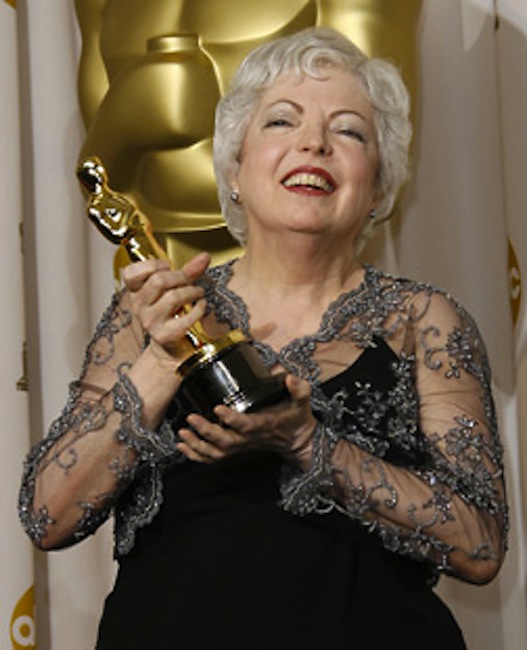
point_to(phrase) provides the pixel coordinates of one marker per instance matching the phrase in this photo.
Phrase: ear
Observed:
(233, 178)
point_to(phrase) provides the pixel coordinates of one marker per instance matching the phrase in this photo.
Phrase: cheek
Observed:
(259, 167)
(367, 175)
(362, 178)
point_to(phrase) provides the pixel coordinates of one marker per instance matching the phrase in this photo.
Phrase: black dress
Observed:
(405, 483)
(223, 566)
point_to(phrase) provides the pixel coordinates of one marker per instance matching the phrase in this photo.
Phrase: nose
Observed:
(313, 137)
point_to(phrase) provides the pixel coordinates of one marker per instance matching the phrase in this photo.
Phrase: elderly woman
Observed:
(323, 521)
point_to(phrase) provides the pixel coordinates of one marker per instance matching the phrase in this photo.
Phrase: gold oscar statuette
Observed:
(226, 370)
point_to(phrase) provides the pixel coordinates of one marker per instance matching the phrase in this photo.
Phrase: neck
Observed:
(297, 265)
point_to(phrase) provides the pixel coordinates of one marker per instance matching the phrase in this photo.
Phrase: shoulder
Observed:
(421, 300)
(441, 325)
(432, 314)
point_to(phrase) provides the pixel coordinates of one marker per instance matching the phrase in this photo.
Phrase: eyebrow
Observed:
(299, 109)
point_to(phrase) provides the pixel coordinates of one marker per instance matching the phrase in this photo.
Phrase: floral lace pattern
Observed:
(413, 455)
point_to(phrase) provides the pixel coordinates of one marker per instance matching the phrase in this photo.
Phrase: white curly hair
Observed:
(310, 52)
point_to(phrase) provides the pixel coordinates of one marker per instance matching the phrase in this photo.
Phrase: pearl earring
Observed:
(234, 196)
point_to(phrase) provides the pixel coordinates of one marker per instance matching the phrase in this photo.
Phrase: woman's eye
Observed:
(277, 122)
(352, 133)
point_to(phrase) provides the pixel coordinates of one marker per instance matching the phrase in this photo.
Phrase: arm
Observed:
(448, 511)
(452, 511)
(113, 420)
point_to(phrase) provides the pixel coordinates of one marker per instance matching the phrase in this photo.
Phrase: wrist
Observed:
(167, 359)
(155, 377)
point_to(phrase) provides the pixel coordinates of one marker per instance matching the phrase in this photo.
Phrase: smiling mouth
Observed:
(310, 181)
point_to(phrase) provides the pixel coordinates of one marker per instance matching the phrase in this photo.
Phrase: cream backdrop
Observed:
(458, 220)
(461, 210)
(16, 568)
(61, 302)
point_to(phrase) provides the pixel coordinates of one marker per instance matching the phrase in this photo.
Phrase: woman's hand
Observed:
(286, 429)
(158, 294)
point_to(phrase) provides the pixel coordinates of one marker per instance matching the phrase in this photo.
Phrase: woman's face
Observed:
(309, 159)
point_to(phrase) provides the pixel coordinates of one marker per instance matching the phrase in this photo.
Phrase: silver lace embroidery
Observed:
(383, 424)
(85, 418)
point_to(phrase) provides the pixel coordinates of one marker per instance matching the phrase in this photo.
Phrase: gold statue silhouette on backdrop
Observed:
(152, 71)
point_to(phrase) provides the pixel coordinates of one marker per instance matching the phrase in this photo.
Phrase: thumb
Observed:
(299, 389)
(195, 267)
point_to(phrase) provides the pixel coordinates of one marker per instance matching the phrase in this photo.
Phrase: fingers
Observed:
(243, 423)
(299, 389)
(196, 448)
(162, 299)
(286, 429)
(158, 293)
(218, 435)
(195, 268)
(135, 275)
(207, 441)
(167, 329)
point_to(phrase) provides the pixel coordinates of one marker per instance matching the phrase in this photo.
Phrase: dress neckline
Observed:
(245, 315)
(296, 355)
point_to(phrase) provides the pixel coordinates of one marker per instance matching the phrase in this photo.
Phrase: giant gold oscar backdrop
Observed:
(150, 75)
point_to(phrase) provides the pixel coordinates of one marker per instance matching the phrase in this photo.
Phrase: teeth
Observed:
(309, 180)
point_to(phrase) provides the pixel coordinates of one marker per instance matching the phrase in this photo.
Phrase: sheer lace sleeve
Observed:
(449, 508)
(73, 476)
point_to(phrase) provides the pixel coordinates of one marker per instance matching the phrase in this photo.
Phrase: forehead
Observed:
(334, 89)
